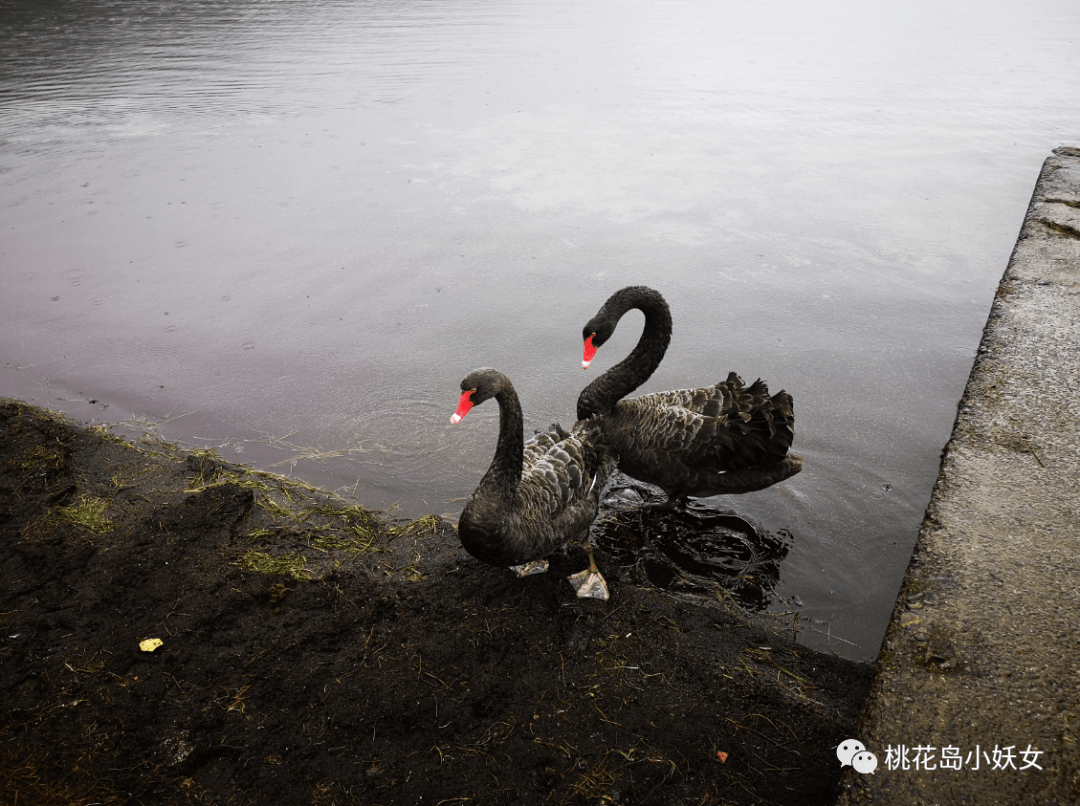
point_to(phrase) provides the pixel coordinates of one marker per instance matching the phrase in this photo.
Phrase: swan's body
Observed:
(719, 439)
(537, 495)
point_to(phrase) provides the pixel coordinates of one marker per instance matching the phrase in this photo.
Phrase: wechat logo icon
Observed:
(854, 752)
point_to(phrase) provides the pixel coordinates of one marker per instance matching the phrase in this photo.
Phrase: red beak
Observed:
(463, 407)
(590, 352)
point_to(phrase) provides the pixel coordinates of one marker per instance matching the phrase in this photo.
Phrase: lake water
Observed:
(286, 230)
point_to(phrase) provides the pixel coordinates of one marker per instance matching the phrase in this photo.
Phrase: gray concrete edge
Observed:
(980, 664)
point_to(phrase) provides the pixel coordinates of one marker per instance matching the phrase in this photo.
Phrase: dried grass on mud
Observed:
(315, 653)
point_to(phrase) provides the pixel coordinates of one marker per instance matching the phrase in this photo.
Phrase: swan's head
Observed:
(595, 333)
(478, 386)
(601, 327)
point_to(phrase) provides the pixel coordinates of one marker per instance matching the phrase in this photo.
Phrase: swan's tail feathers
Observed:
(756, 429)
(783, 426)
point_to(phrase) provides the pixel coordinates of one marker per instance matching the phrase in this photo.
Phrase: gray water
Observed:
(286, 230)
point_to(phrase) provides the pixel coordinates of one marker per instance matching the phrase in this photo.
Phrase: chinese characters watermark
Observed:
(926, 757)
(922, 757)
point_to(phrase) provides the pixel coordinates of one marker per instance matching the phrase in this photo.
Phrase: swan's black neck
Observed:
(501, 481)
(600, 396)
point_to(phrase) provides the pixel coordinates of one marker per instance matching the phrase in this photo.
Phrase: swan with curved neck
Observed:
(536, 495)
(721, 439)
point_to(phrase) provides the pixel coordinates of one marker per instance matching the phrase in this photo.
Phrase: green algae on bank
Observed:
(292, 528)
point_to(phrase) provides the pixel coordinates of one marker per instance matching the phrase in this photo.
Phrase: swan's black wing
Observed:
(561, 480)
(705, 441)
(557, 499)
(554, 475)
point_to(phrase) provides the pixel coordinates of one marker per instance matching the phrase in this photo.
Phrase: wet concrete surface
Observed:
(976, 697)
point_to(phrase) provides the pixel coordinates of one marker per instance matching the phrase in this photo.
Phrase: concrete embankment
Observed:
(976, 698)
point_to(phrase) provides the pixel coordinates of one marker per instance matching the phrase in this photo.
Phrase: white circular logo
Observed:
(847, 749)
(864, 762)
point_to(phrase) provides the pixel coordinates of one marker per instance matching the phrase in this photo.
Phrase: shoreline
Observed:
(977, 669)
(313, 652)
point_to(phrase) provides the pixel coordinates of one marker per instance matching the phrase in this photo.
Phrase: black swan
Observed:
(537, 495)
(720, 439)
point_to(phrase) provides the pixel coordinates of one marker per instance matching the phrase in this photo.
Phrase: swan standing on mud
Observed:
(537, 495)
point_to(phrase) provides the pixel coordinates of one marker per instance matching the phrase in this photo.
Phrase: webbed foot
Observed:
(528, 569)
(589, 584)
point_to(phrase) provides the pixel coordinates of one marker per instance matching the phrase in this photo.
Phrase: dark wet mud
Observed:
(313, 652)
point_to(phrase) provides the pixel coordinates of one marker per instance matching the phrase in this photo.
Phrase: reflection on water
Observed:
(695, 550)
(286, 230)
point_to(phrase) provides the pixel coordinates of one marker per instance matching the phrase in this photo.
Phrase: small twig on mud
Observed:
(606, 616)
(769, 765)
(749, 671)
(661, 675)
(763, 736)
(165, 621)
(421, 670)
(341, 593)
(170, 676)
(802, 696)
(257, 657)
(568, 749)
(793, 736)
(604, 718)
(238, 700)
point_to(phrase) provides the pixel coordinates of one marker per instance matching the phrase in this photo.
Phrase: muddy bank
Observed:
(314, 652)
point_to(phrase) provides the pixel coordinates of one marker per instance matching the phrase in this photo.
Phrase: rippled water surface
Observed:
(288, 229)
